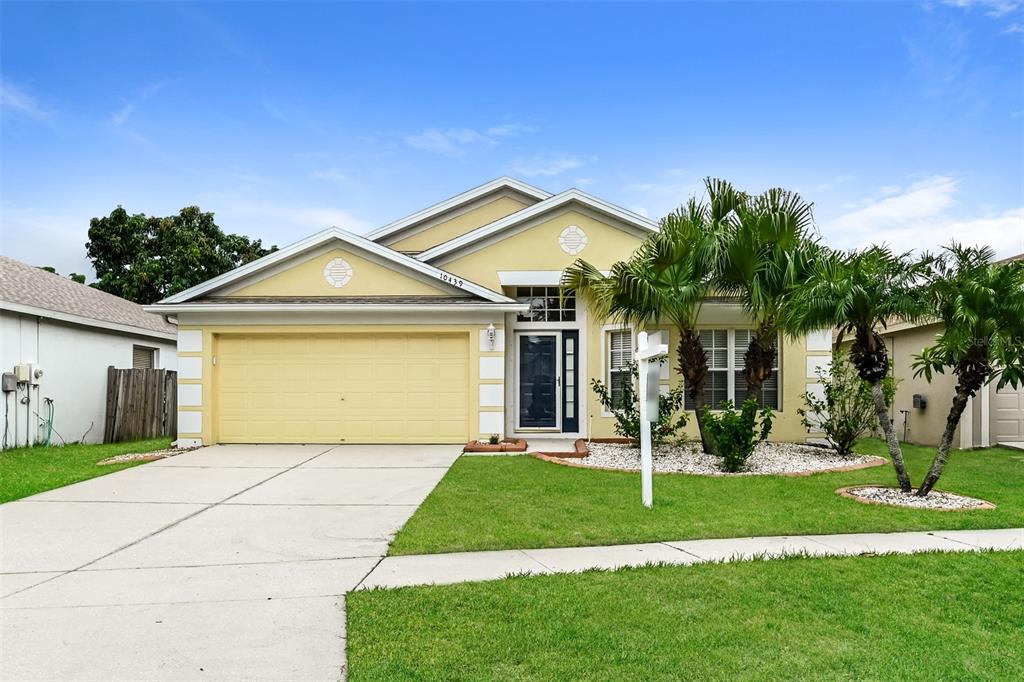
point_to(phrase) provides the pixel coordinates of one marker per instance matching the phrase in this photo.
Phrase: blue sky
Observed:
(903, 122)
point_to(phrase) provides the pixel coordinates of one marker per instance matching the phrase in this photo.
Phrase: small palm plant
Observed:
(664, 281)
(768, 250)
(981, 305)
(859, 293)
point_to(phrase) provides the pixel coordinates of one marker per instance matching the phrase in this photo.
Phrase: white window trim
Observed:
(605, 365)
(731, 367)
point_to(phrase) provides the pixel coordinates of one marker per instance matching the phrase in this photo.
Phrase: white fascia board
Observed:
(455, 202)
(525, 278)
(628, 217)
(512, 307)
(86, 321)
(443, 278)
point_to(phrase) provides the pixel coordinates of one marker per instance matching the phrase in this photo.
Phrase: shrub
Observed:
(627, 417)
(494, 439)
(847, 410)
(733, 431)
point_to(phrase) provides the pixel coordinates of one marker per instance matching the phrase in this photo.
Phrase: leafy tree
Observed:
(769, 247)
(74, 276)
(147, 258)
(846, 411)
(859, 293)
(981, 306)
(666, 280)
(627, 413)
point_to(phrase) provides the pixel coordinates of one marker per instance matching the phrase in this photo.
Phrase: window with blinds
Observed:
(620, 355)
(726, 349)
(143, 357)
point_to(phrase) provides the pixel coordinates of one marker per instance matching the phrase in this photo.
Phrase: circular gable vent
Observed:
(338, 272)
(572, 240)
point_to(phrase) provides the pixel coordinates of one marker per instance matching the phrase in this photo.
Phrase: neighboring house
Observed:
(993, 416)
(64, 335)
(444, 326)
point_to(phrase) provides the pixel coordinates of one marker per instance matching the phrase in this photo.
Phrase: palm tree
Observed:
(981, 305)
(769, 248)
(859, 293)
(665, 280)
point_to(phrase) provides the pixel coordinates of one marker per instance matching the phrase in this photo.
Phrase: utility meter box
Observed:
(22, 373)
(34, 374)
(920, 401)
(9, 383)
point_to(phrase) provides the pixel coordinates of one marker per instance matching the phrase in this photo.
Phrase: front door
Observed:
(538, 377)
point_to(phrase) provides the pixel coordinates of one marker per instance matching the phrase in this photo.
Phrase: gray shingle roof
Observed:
(23, 284)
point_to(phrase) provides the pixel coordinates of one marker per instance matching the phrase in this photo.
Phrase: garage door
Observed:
(1008, 415)
(342, 388)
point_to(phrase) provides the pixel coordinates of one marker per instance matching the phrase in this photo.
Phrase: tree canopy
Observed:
(146, 258)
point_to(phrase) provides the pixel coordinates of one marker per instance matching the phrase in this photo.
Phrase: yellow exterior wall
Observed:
(368, 279)
(537, 249)
(459, 225)
(210, 335)
(924, 427)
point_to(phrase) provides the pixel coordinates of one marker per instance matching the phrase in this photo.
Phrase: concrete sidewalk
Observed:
(441, 569)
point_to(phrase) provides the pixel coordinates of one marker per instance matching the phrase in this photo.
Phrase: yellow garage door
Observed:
(342, 388)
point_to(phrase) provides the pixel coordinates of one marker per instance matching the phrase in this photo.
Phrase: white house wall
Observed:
(74, 360)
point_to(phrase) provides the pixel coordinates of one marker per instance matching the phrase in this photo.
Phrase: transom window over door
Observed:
(546, 304)
(725, 349)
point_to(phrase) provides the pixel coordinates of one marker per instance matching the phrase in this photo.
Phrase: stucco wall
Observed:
(74, 360)
(924, 426)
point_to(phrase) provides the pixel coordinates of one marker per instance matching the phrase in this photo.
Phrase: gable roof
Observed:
(641, 223)
(354, 240)
(457, 201)
(27, 289)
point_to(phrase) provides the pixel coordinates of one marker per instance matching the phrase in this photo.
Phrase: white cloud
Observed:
(455, 141)
(992, 8)
(121, 116)
(659, 196)
(833, 183)
(919, 217)
(546, 165)
(332, 174)
(1015, 27)
(16, 99)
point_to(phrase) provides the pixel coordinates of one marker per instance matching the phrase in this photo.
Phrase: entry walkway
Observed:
(440, 569)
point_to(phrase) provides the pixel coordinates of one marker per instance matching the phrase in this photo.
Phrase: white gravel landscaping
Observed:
(934, 500)
(768, 458)
(144, 456)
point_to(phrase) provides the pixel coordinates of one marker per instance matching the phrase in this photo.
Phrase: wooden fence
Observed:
(141, 403)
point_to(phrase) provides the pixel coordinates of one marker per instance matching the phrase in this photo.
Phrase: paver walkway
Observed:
(441, 569)
(230, 562)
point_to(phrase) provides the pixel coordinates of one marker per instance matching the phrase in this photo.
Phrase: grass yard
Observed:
(917, 617)
(27, 471)
(521, 502)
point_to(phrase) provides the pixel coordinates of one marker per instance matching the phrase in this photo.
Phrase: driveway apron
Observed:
(229, 562)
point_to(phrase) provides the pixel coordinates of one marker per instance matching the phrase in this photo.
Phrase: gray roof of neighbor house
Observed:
(26, 286)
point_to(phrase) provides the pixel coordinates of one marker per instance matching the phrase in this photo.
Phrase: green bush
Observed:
(627, 417)
(733, 432)
(847, 410)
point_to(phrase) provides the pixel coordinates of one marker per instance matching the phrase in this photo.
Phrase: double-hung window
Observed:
(725, 349)
(620, 355)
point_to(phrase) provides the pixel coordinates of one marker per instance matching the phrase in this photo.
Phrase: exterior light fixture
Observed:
(492, 335)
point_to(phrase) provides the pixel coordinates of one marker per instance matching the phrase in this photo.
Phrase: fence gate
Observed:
(141, 403)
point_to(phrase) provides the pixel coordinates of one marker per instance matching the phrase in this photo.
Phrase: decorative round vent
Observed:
(338, 272)
(572, 240)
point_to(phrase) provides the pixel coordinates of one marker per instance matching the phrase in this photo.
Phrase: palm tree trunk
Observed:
(758, 362)
(693, 367)
(942, 454)
(882, 410)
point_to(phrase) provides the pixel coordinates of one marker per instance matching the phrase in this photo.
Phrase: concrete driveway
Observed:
(229, 562)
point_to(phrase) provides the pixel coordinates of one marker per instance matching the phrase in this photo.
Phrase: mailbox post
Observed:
(650, 349)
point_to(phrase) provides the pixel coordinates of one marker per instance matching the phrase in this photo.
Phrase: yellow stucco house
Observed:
(444, 326)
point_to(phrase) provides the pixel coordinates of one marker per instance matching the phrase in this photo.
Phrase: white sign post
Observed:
(649, 348)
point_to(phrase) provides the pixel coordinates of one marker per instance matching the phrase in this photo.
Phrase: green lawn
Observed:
(919, 617)
(521, 502)
(27, 471)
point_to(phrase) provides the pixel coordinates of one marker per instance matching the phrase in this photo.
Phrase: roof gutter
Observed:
(86, 321)
(176, 308)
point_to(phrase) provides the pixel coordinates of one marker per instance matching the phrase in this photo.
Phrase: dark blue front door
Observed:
(538, 379)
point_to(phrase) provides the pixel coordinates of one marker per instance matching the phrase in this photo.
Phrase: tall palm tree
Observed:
(665, 280)
(859, 293)
(981, 305)
(768, 251)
